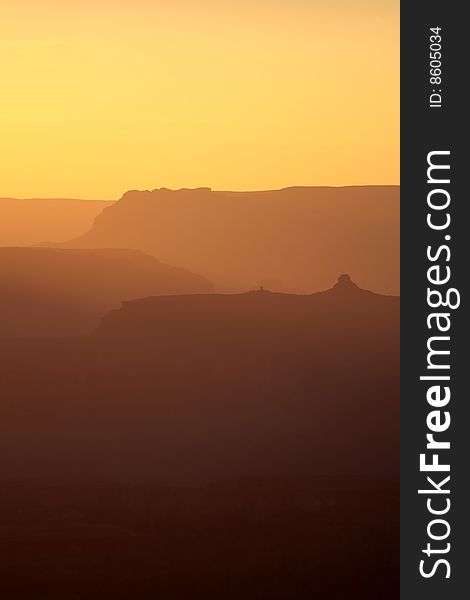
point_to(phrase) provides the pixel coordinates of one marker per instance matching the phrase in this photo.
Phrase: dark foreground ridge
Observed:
(278, 383)
(256, 539)
(206, 447)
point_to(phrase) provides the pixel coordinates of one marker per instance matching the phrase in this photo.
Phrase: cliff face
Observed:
(299, 238)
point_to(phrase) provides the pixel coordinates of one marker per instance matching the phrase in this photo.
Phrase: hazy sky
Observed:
(100, 96)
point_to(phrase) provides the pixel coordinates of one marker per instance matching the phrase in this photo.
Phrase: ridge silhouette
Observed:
(300, 236)
(197, 443)
(48, 292)
(37, 220)
(259, 371)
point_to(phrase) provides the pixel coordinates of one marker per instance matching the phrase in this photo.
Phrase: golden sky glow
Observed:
(101, 96)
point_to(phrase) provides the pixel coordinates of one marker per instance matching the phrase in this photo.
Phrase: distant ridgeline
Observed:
(49, 292)
(293, 240)
(39, 220)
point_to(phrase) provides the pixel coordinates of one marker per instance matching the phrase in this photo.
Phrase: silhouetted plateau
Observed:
(29, 222)
(190, 387)
(300, 236)
(206, 447)
(54, 292)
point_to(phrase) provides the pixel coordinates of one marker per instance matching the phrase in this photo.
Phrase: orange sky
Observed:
(100, 96)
